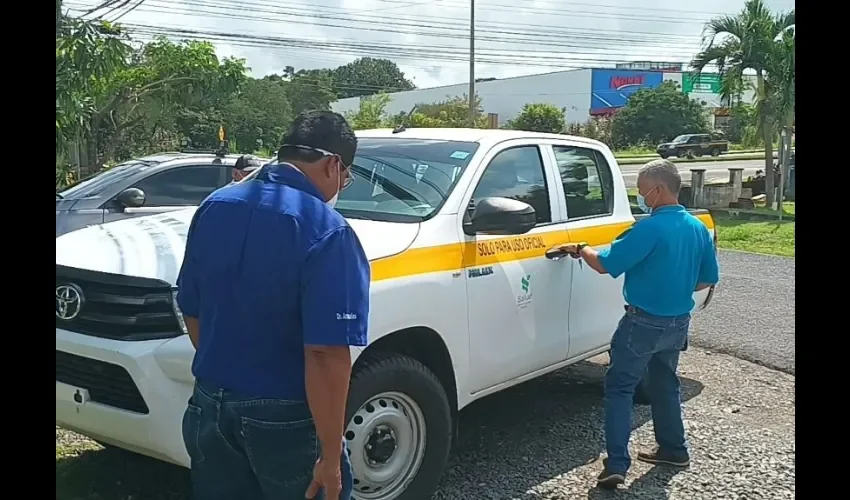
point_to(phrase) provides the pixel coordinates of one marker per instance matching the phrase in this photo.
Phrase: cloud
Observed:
(429, 39)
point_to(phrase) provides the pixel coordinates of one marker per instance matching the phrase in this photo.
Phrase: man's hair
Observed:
(662, 172)
(318, 129)
(248, 163)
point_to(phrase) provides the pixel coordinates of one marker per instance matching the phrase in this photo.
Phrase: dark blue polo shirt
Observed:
(664, 256)
(270, 268)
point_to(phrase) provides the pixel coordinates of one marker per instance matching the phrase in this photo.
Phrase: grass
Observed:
(787, 208)
(765, 237)
(771, 238)
(86, 471)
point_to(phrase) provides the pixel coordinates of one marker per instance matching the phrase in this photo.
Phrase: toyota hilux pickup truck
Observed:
(467, 297)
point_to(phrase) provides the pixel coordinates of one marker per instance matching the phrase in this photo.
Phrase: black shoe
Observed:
(607, 479)
(659, 457)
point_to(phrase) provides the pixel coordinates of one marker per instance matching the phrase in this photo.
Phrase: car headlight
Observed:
(177, 311)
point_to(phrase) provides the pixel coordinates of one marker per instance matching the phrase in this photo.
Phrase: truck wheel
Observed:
(715, 152)
(663, 156)
(399, 430)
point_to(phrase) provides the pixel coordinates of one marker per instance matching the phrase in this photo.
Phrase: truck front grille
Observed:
(115, 306)
(107, 384)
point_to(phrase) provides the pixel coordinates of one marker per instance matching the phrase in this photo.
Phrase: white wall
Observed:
(505, 97)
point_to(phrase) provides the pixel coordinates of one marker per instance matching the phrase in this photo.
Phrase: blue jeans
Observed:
(645, 345)
(252, 449)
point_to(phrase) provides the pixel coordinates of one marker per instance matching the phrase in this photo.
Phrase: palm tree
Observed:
(753, 41)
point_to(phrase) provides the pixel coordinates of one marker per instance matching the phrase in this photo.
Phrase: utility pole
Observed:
(472, 63)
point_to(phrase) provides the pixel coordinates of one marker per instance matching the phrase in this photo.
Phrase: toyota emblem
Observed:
(69, 301)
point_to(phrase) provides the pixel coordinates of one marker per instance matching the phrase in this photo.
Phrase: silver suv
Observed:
(143, 186)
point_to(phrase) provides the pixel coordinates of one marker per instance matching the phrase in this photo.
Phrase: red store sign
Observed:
(618, 82)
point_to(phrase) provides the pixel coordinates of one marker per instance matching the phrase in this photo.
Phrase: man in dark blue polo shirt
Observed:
(666, 257)
(274, 289)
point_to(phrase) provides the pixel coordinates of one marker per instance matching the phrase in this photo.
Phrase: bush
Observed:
(539, 117)
(657, 115)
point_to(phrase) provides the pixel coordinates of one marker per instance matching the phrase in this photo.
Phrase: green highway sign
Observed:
(707, 83)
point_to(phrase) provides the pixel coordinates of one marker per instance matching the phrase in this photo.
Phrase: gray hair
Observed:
(662, 172)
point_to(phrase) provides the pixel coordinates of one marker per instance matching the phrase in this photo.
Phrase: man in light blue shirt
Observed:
(665, 257)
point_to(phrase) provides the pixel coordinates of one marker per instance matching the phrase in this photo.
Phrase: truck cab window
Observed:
(587, 181)
(517, 173)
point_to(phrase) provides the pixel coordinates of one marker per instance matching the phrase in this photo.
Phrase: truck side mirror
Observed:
(497, 215)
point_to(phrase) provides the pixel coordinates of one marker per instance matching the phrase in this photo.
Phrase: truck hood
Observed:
(153, 246)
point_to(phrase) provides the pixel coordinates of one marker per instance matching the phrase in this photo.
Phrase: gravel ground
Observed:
(543, 440)
(752, 313)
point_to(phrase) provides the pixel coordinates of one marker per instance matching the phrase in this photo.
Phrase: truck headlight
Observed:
(177, 311)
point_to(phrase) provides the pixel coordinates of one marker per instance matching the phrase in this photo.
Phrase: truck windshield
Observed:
(94, 184)
(682, 138)
(403, 180)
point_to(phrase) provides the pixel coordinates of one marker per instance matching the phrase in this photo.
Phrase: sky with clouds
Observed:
(429, 39)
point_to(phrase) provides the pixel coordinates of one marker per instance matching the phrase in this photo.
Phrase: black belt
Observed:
(634, 310)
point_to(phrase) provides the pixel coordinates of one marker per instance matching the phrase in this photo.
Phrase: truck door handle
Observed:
(556, 254)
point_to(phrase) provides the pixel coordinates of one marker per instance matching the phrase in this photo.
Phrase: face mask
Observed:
(332, 202)
(641, 201)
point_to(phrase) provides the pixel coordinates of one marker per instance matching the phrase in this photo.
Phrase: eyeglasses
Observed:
(348, 179)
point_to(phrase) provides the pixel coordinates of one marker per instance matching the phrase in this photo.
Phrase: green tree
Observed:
(371, 113)
(308, 89)
(258, 116)
(539, 117)
(368, 76)
(748, 41)
(656, 115)
(166, 83)
(89, 56)
(453, 112)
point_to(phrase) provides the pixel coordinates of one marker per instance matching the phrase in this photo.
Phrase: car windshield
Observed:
(94, 184)
(682, 138)
(403, 180)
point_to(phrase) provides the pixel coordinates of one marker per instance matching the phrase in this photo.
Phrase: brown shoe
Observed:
(659, 457)
(609, 480)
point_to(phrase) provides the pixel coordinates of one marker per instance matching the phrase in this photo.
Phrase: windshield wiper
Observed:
(59, 196)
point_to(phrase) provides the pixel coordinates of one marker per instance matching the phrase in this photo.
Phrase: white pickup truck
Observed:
(465, 299)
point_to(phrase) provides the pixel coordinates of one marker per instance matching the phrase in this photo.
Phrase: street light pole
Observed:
(472, 63)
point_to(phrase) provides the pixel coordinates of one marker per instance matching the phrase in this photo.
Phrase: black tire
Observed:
(715, 152)
(379, 373)
(663, 156)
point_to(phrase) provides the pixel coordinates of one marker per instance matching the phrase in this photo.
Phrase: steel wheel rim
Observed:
(386, 445)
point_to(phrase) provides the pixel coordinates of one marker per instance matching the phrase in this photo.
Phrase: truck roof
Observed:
(482, 136)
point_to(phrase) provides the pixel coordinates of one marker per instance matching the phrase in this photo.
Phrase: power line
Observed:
(454, 32)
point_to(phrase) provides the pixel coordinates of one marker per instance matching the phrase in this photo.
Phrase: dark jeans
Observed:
(645, 344)
(252, 449)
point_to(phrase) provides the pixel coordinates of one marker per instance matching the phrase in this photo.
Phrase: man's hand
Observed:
(571, 249)
(327, 477)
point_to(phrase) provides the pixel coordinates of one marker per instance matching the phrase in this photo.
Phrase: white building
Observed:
(582, 92)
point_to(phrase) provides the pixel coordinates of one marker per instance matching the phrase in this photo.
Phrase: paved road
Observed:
(714, 171)
(752, 314)
(543, 440)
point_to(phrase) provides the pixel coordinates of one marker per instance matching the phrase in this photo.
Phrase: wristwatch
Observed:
(580, 246)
